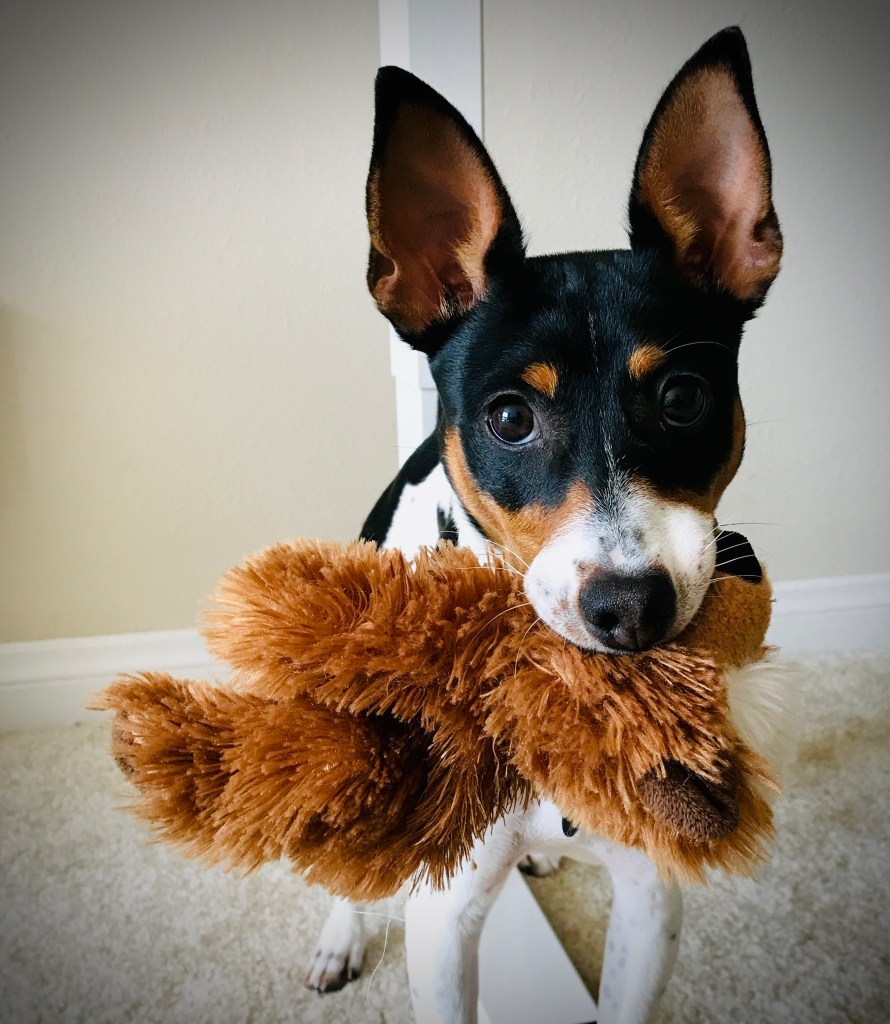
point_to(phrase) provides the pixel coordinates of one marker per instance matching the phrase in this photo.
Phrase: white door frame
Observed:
(441, 42)
(525, 975)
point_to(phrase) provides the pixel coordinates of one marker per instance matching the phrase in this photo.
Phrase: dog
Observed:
(589, 421)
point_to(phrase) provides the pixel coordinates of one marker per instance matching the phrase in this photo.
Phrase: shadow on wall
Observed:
(15, 328)
(57, 484)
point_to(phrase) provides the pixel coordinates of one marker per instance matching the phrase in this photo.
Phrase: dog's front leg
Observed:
(641, 941)
(340, 950)
(442, 930)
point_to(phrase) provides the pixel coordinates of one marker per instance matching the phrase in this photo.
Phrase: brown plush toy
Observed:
(384, 712)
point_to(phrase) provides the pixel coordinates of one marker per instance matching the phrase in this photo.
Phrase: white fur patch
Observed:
(414, 520)
(764, 707)
(633, 532)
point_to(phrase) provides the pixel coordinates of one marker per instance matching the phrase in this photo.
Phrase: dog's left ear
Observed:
(439, 218)
(702, 182)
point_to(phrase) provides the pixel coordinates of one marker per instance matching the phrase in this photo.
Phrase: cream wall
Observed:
(190, 366)
(568, 90)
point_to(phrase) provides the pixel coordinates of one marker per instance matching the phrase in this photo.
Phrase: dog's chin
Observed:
(578, 635)
(582, 638)
(573, 629)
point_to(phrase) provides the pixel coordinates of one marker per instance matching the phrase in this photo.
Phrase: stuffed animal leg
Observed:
(237, 778)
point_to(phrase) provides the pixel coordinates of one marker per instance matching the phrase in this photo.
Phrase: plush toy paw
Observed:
(696, 808)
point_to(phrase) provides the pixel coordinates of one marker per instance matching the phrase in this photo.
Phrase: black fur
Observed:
(735, 555)
(584, 314)
(447, 526)
(417, 468)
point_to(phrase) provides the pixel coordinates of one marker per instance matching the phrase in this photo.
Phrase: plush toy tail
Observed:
(238, 778)
(359, 803)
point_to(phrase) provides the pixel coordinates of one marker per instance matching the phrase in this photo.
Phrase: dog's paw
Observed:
(338, 956)
(539, 865)
(700, 810)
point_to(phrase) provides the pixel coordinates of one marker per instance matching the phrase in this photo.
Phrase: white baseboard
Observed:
(833, 613)
(49, 682)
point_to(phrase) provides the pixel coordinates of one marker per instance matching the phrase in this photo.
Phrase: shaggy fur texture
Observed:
(384, 713)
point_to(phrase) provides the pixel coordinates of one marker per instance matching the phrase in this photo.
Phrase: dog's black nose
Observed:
(629, 613)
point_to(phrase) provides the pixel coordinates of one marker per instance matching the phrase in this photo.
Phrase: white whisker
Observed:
(729, 561)
(377, 966)
(715, 540)
(504, 611)
(690, 344)
(515, 554)
(389, 919)
(378, 913)
(721, 579)
(724, 525)
(503, 567)
(733, 547)
(521, 642)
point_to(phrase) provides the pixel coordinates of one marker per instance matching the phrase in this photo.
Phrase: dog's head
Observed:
(590, 415)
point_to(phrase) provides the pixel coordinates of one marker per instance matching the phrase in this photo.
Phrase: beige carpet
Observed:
(98, 926)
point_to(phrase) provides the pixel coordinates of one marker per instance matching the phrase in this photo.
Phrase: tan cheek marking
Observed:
(645, 360)
(707, 501)
(521, 533)
(542, 377)
(729, 469)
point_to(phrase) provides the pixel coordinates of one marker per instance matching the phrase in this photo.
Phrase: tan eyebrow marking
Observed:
(645, 360)
(542, 377)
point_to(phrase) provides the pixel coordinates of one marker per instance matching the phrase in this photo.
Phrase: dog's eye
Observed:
(512, 421)
(685, 401)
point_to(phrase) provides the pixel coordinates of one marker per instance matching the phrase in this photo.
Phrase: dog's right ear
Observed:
(703, 181)
(439, 217)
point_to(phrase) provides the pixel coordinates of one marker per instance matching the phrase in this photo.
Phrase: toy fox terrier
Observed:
(589, 421)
